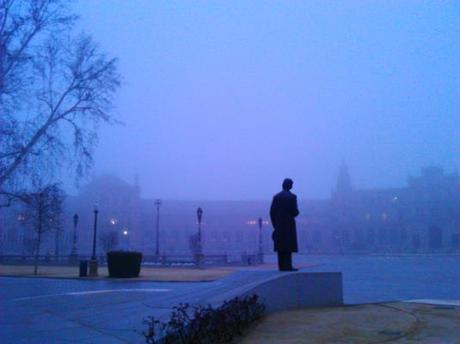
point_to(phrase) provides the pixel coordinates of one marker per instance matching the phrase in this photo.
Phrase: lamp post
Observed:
(157, 243)
(401, 228)
(93, 261)
(126, 235)
(261, 250)
(199, 215)
(73, 253)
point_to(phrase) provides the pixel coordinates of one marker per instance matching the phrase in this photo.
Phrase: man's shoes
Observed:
(291, 269)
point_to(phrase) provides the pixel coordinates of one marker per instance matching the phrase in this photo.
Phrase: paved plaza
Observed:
(49, 310)
(39, 310)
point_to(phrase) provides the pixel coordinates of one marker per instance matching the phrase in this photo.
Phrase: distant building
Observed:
(423, 216)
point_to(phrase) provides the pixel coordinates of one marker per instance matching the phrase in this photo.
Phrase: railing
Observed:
(46, 259)
(148, 260)
(184, 260)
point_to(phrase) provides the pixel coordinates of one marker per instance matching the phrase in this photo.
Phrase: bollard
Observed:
(83, 268)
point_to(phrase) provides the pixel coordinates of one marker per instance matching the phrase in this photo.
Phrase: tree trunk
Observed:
(37, 251)
(39, 232)
(56, 244)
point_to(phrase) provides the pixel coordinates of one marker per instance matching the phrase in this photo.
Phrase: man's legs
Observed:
(288, 261)
(280, 261)
(284, 261)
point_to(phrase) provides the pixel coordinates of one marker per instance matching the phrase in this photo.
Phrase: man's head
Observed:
(287, 184)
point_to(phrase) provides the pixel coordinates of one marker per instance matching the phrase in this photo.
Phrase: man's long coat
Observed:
(282, 214)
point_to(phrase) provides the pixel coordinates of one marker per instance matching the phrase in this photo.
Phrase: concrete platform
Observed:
(286, 290)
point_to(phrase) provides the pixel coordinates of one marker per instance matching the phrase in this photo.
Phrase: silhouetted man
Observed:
(282, 214)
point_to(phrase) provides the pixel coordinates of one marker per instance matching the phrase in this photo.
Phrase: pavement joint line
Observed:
(103, 330)
(82, 324)
(78, 293)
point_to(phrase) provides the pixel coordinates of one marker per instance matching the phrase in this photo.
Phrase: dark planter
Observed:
(124, 264)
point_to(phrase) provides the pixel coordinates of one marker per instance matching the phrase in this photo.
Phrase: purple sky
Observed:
(223, 99)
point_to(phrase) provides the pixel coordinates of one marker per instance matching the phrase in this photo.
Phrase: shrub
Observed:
(197, 324)
(124, 263)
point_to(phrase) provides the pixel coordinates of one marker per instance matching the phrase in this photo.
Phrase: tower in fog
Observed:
(343, 185)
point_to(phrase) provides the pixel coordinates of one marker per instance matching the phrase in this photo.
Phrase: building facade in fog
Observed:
(423, 216)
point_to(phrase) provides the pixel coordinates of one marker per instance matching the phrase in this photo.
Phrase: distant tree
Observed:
(30, 245)
(57, 235)
(43, 208)
(109, 240)
(55, 88)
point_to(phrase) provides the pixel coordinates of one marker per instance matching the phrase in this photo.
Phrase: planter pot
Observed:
(124, 264)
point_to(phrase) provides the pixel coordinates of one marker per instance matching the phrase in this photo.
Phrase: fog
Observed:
(222, 100)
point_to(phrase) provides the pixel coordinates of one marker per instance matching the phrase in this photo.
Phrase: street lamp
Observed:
(261, 251)
(157, 244)
(199, 215)
(126, 235)
(93, 261)
(73, 254)
(401, 227)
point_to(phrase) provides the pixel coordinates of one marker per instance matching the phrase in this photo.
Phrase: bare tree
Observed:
(56, 87)
(43, 209)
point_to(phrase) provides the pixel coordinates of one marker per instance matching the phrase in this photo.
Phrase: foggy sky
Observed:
(223, 99)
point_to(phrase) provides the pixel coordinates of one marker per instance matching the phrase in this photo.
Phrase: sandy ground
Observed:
(375, 323)
(147, 273)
